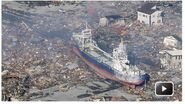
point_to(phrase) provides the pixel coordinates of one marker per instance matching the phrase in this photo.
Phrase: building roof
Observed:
(174, 37)
(113, 17)
(175, 52)
(147, 8)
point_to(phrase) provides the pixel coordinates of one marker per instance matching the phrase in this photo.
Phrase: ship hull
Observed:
(105, 71)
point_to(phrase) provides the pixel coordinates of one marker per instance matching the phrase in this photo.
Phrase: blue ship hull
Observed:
(106, 71)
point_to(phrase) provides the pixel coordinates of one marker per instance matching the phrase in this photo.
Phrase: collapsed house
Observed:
(172, 41)
(111, 20)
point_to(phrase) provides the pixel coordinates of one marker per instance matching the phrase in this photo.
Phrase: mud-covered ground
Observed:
(36, 50)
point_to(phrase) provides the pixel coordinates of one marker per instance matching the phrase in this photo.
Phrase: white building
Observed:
(172, 41)
(149, 14)
(172, 59)
(112, 19)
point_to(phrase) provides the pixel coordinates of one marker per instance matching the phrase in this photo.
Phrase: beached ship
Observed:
(113, 66)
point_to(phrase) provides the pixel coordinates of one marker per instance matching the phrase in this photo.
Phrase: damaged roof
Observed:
(175, 52)
(113, 17)
(147, 8)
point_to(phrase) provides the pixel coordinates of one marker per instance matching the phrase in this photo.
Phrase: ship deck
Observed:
(100, 56)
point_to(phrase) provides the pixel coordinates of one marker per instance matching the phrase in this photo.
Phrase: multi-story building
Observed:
(149, 14)
(172, 59)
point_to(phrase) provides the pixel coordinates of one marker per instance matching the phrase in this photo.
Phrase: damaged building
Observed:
(149, 14)
(172, 59)
(172, 41)
(111, 20)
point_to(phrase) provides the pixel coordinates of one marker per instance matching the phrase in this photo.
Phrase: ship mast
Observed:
(120, 57)
(86, 36)
(83, 33)
(86, 25)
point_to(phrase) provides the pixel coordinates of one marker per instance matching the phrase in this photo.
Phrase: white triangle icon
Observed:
(163, 88)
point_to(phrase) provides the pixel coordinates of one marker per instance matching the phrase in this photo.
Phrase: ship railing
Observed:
(110, 68)
(108, 55)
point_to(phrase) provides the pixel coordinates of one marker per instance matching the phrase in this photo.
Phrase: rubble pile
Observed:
(36, 53)
(145, 41)
(41, 58)
(107, 98)
(43, 82)
(14, 85)
(45, 60)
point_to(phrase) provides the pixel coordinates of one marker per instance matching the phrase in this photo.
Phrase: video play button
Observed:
(165, 88)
